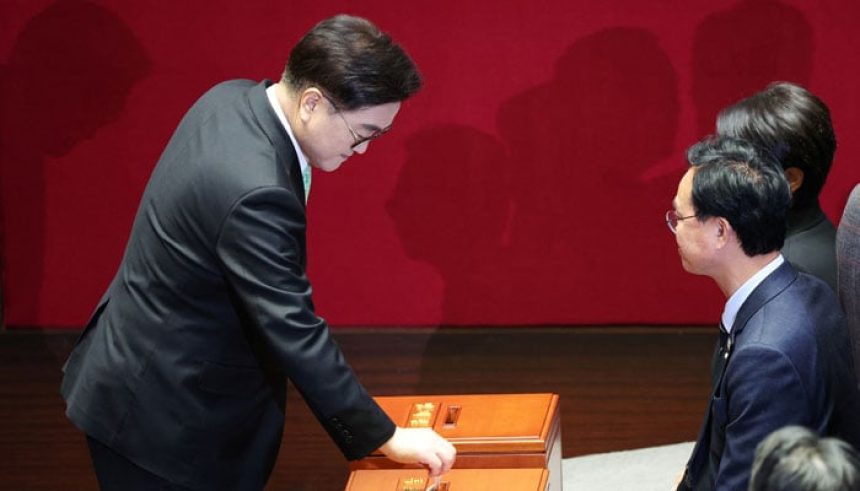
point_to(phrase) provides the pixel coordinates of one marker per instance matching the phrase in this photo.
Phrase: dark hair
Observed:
(791, 123)
(796, 459)
(352, 62)
(735, 180)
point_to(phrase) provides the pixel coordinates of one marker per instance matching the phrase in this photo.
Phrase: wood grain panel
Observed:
(619, 387)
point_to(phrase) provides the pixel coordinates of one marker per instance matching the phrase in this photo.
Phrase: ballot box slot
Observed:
(441, 486)
(452, 415)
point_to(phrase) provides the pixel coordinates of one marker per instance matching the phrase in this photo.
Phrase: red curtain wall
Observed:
(526, 184)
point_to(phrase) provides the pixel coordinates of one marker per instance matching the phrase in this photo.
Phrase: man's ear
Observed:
(724, 231)
(310, 101)
(795, 178)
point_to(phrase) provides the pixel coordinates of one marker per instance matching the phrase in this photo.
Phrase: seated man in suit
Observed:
(794, 126)
(784, 356)
(179, 380)
(796, 459)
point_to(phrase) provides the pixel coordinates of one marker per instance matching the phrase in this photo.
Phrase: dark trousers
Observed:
(117, 473)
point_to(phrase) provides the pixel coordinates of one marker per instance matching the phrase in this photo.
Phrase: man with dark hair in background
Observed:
(795, 127)
(179, 380)
(796, 459)
(784, 354)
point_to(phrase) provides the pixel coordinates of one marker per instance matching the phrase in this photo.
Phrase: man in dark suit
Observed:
(179, 380)
(784, 354)
(794, 125)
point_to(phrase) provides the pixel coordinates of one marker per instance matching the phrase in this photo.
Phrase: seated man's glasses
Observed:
(672, 219)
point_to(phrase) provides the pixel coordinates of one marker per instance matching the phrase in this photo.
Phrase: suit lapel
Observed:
(772, 286)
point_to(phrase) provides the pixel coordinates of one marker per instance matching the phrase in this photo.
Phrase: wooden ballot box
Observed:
(490, 431)
(455, 480)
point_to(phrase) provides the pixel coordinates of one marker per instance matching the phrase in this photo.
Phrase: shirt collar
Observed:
(279, 111)
(730, 312)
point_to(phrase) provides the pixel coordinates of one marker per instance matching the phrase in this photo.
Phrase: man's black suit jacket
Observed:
(183, 366)
(810, 244)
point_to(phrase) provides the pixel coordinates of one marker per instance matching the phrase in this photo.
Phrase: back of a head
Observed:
(735, 180)
(796, 459)
(791, 123)
(353, 62)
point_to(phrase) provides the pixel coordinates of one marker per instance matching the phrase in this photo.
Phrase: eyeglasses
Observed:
(356, 138)
(672, 219)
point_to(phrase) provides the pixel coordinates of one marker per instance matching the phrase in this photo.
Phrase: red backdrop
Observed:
(526, 184)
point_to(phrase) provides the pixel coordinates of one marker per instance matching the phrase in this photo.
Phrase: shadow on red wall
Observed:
(554, 222)
(452, 211)
(69, 73)
(737, 52)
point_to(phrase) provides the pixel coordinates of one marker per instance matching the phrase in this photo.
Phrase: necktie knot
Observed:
(725, 341)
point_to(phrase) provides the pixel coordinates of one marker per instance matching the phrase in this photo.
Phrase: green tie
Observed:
(306, 180)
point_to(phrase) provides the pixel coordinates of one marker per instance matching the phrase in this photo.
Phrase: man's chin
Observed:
(329, 166)
(687, 267)
(690, 269)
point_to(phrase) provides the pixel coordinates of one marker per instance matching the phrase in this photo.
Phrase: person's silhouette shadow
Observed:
(551, 223)
(69, 73)
(452, 214)
(584, 214)
(738, 51)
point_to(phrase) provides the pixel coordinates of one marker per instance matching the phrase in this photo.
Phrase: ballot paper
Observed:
(434, 486)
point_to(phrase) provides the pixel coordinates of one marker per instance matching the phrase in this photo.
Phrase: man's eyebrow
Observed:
(374, 128)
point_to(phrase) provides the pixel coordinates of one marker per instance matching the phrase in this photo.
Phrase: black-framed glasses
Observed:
(672, 219)
(356, 138)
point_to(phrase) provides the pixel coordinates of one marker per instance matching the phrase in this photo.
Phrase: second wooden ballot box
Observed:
(455, 480)
(490, 431)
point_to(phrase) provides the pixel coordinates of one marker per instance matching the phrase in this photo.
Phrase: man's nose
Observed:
(360, 149)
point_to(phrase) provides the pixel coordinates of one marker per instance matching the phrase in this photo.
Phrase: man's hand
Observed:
(679, 478)
(420, 446)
